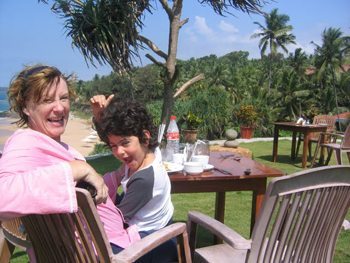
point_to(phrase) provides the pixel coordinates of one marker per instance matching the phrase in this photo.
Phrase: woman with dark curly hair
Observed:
(128, 129)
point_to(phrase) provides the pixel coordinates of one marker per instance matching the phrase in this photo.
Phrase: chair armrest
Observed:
(146, 244)
(219, 229)
(333, 136)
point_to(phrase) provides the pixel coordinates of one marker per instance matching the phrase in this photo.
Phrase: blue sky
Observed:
(30, 33)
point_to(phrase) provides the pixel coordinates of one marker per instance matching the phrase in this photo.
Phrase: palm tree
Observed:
(329, 58)
(108, 32)
(298, 61)
(274, 35)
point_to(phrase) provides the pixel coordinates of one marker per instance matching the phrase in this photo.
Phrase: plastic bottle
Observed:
(173, 138)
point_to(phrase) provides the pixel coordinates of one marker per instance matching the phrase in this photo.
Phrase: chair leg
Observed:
(310, 148)
(317, 149)
(298, 145)
(6, 248)
(338, 157)
(329, 156)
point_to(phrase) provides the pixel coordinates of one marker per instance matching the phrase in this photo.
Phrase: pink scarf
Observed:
(35, 177)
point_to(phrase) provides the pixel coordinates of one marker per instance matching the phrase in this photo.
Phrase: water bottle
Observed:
(173, 138)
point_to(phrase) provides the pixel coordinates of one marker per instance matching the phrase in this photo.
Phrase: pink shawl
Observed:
(35, 177)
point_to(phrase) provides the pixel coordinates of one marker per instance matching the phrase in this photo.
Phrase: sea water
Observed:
(4, 106)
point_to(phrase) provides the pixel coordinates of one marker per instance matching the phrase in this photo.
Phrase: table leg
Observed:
(220, 206)
(219, 211)
(257, 200)
(275, 144)
(294, 142)
(305, 149)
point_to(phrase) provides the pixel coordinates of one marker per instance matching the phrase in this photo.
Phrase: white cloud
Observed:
(201, 39)
(200, 25)
(227, 27)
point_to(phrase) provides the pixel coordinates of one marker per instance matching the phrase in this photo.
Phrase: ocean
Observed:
(4, 106)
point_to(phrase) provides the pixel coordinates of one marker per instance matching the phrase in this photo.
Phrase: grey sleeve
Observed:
(140, 191)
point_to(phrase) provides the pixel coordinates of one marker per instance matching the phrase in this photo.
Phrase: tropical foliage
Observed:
(275, 34)
(280, 86)
(192, 121)
(109, 32)
(247, 116)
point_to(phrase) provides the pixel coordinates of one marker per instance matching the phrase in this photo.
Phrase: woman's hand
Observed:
(98, 103)
(82, 171)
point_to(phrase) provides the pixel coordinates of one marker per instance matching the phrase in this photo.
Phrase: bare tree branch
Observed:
(155, 61)
(153, 47)
(183, 22)
(188, 84)
(166, 7)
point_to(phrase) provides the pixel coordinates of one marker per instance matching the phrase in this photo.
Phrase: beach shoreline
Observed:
(79, 133)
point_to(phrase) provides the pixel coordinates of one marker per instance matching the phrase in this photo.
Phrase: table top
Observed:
(233, 163)
(295, 126)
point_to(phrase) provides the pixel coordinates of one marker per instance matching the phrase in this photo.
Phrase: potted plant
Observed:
(247, 118)
(192, 122)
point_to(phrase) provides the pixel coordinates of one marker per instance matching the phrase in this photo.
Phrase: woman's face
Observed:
(50, 114)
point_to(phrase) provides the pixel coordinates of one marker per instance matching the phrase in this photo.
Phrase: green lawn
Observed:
(238, 204)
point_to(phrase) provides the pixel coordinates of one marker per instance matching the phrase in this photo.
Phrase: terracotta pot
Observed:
(246, 132)
(190, 136)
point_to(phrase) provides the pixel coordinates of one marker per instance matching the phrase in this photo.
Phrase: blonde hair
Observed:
(30, 84)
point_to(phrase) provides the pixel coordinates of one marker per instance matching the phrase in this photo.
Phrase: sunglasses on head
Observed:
(34, 70)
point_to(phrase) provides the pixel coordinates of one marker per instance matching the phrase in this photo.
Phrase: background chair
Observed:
(6, 249)
(80, 237)
(318, 119)
(300, 221)
(15, 236)
(333, 145)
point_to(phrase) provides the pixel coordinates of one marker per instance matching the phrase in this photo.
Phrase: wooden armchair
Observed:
(300, 220)
(13, 235)
(80, 237)
(318, 119)
(333, 144)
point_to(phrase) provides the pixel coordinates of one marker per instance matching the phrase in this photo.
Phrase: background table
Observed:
(292, 126)
(215, 181)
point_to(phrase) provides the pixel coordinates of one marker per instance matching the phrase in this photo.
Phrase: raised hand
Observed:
(98, 103)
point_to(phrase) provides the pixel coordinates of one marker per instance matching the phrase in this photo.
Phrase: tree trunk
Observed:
(175, 24)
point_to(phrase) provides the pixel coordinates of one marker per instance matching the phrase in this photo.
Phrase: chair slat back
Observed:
(346, 139)
(326, 120)
(14, 232)
(69, 237)
(302, 216)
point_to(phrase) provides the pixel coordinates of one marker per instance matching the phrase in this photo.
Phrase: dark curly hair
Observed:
(127, 118)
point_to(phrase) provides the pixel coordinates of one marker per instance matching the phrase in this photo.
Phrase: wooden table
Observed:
(215, 181)
(292, 126)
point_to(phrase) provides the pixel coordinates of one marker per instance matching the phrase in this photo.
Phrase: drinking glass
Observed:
(202, 147)
(201, 152)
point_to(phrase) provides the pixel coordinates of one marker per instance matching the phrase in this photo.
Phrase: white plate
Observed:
(173, 167)
(208, 167)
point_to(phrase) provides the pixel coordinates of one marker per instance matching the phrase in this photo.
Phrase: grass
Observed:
(238, 204)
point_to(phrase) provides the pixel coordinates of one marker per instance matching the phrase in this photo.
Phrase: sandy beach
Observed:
(78, 134)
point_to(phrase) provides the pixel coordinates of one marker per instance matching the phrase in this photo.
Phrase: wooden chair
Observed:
(318, 119)
(14, 236)
(6, 248)
(80, 237)
(300, 220)
(14, 232)
(333, 145)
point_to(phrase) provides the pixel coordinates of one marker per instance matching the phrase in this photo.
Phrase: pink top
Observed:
(35, 177)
